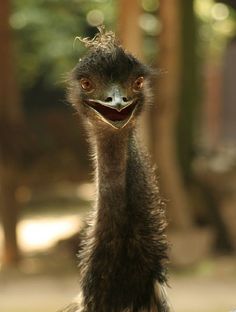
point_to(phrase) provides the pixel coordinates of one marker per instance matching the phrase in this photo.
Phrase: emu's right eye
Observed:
(86, 84)
(138, 84)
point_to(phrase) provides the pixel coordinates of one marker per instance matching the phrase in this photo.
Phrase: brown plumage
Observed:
(124, 251)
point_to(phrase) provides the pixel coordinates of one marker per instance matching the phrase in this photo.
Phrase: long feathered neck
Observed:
(128, 198)
(111, 171)
(125, 251)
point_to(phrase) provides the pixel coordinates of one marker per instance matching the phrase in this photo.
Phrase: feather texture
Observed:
(124, 253)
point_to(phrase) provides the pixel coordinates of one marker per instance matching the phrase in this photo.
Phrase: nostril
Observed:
(125, 99)
(108, 99)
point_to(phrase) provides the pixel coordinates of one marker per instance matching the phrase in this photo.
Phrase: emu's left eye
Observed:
(138, 84)
(86, 84)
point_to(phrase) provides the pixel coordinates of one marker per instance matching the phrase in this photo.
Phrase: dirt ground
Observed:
(209, 288)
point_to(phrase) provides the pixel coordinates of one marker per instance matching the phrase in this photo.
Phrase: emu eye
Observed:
(86, 84)
(138, 84)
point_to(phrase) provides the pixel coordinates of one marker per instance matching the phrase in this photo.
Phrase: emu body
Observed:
(124, 251)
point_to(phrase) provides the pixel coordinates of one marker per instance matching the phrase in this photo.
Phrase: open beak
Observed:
(117, 111)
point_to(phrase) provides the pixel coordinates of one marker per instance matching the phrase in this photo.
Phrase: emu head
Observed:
(109, 87)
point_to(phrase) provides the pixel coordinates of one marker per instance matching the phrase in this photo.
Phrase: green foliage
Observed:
(216, 25)
(44, 34)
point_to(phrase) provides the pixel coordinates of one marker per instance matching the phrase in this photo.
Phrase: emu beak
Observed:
(116, 110)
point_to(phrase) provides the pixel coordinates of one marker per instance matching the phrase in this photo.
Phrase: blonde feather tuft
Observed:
(102, 40)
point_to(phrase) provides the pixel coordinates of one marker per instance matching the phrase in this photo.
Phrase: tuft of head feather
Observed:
(104, 40)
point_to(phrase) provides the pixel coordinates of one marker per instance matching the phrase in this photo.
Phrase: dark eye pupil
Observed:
(138, 83)
(85, 84)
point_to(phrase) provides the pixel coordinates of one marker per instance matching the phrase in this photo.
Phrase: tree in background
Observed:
(165, 118)
(10, 119)
(165, 32)
(188, 114)
(129, 30)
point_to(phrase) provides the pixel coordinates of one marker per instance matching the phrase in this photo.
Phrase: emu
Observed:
(123, 257)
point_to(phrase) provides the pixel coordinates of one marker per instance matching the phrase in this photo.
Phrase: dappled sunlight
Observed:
(44, 232)
(40, 233)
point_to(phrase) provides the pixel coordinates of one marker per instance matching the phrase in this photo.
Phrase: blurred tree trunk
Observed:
(189, 89)
(131, 37)
(10, 118)
(165, 117)
(189, 114)
(128, 26)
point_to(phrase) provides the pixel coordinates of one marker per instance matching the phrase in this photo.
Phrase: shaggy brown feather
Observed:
(124, 251)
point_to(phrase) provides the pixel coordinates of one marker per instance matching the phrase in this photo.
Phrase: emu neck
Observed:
(111, 168)
(127, 247)
(112, 157)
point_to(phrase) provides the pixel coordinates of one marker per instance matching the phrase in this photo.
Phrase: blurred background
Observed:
(46, 185)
